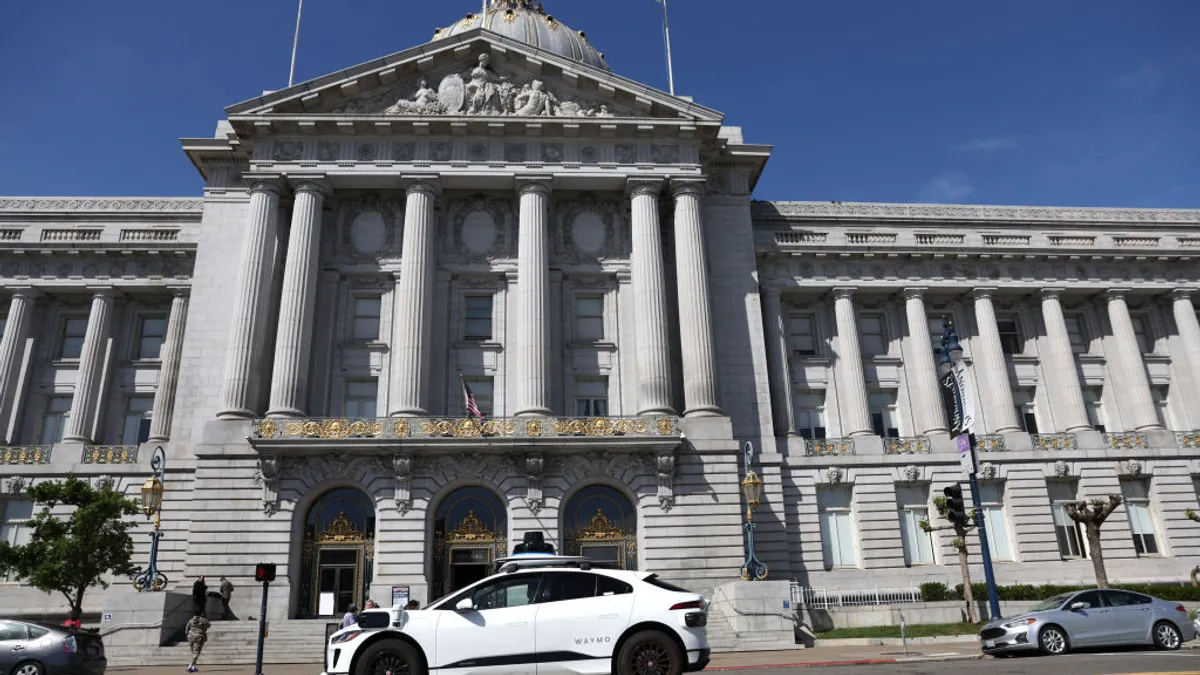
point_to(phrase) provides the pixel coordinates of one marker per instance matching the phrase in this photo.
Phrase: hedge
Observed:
(936, 592)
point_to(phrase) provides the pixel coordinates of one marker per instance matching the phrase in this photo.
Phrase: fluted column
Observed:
(650, 301)
(1133, 385)
(16, 332)
(168, 374)
(293, 338)
(695, 309)
(991, 369)
(1058, 362)
(782, 405)
(533, 299)
(246, 323)
(91, 368)
(926, 401)
(1189, 360)
(854, 411)
(411, 328)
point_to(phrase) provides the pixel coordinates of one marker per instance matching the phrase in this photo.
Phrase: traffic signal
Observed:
(956, 511)
(264, 572)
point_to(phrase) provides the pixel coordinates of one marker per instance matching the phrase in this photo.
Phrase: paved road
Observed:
(1122, 663)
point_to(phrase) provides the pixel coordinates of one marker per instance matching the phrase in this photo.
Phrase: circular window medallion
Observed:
(588, 232)
(368, 232)
(478, 232)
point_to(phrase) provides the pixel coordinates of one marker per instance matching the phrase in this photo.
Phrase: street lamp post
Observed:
(151, 579)
(951, 356)
(753, 569)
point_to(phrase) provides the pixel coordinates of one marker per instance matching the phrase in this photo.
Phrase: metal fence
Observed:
(832, 598)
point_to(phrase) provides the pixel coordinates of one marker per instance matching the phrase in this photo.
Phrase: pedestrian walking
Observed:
(199, 593)
(226, 593)
(351, 616)
(197, 635)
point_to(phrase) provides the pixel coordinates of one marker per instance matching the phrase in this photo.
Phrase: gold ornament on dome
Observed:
(471, 529)
(341, 531)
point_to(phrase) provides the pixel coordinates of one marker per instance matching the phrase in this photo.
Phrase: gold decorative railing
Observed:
(110, 454)
(990, 443)
(906, 446)
(25, 454)
(399, 428)
(1127, 441)
(1187, 439)
(828, 447)
(1054, 441)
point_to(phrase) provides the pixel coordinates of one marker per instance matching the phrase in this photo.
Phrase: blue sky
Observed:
(1070, 102)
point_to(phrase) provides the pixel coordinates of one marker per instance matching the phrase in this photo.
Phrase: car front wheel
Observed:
(390, 657)
(1053, 641)
(650, 653)
(29, 668)
(1166, 636)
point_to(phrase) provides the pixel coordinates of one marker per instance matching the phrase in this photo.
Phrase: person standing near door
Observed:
(226, 593)
(351, 616)
(197, 635)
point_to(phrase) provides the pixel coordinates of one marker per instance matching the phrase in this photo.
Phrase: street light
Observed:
(152, 498)
(949, 359)
(753, 569)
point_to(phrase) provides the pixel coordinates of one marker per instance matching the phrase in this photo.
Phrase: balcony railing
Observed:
(1127, 441)
(990, 443)
(1187, 439)
(110, 454)
(828, 447)
(24, 454)
(1054, 441)
(400, 428)
(906, 446)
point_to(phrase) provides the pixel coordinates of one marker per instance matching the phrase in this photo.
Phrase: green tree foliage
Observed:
(71, 553)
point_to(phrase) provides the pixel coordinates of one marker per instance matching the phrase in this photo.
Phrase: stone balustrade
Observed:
(110, 454)
(906, 446)
(25, 454)
(1127, 441)
(990, 443)
(1054, 441)
(828, 447)
(435, 428)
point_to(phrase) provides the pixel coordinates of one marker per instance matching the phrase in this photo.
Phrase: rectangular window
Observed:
(54, 421)
(1011, 341)
(479, 318)
(1068, 532)
(884, 419)
(70, 345)
(361, 397)
(1141, 331)
(1141, 523)
(366, 317)
(802, 335)
(482, 389)
(810, 416)
(991, 496)
(872, 339)
(1076, 333)
(1161, 397)
(589, 318)
(591, 396)
(936, 330)
(1093, 401)
(837, 531)
(913, 503)
(1025, 411)
(136, 428)
(152, 332)
(14, 514)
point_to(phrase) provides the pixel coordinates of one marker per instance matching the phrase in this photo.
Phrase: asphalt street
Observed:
(1122, 663)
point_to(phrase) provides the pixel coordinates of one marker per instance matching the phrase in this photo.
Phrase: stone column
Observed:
(925, 395)
(91, 368)
(246, 324)
(783, 407)
(294, 337)
(991, 368)
(854, 411)
(168, 374)
(1058, 363)
(695, 310)
(650, 301)
(1189, 361)
(408, 376)
(1133, 384)
(533, 299)
(12, 347)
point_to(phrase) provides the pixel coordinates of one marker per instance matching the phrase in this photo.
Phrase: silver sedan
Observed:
(1093, 618)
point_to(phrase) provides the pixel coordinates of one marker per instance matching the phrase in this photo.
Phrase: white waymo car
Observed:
(540, 614)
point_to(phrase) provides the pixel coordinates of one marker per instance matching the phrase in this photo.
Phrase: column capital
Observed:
(687, 186)
(180, 290)
(1115, 293)
(983, 292)
(27, 292)
(310, 183)
(1182, 293)
(915, 292)
(532, 184)
(271, 183)
(648, 185)
(109, 292)
(843, 292)
(1052, 292)
(771, 290)
(428, 184)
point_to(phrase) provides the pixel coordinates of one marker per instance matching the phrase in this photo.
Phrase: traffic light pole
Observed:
(262, 630)
(985, 551)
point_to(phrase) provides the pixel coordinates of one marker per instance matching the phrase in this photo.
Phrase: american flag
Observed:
(469, 403)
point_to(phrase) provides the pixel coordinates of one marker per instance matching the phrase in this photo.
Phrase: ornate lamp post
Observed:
(152, 497)
(753, 569)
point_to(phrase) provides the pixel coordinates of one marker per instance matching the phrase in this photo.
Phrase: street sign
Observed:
(966, 454)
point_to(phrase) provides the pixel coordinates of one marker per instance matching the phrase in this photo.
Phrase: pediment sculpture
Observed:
(479, 91)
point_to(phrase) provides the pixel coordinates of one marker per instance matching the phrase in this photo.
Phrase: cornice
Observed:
(955, 212)
(101, 204)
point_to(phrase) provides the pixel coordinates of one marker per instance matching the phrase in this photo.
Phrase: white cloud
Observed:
(948, 187)
(988, 144)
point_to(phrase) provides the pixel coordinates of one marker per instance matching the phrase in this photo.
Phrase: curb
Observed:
(856, 662)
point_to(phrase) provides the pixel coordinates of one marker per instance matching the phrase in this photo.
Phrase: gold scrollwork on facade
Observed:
(471, 529)
(400, 428)
(600, 527)
(110, 454)
(341, 531)
(1127, 441)
(36, 454)
(666, 426)
(533, 428)
(267, 429)
(1185, 439)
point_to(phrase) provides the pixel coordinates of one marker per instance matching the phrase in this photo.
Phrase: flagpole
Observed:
(295, 43)
(670, 68)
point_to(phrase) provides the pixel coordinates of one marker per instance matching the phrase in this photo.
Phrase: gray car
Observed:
(1096, 618)
(42, 649)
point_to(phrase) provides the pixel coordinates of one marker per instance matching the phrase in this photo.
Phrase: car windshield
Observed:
(1052, 603)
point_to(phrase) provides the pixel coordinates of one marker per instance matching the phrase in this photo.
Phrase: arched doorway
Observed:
(600, 522)
(337, 553)
(469, 532)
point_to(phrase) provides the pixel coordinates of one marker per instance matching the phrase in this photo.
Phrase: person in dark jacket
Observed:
(199, 594)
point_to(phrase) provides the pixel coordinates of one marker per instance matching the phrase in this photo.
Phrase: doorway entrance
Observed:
(469, 532)
(337, 553)
(599, 522)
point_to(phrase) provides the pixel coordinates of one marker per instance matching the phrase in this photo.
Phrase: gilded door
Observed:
(599, 522)
(337, 553)
(469, 533)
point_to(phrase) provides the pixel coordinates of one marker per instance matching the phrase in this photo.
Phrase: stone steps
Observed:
(294, 641)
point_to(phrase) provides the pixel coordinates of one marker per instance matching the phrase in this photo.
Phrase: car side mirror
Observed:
(1076, 606)
(465, 605)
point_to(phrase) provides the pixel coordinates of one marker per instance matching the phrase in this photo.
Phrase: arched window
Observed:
(337, 552)
(600, 522)
(469, 531)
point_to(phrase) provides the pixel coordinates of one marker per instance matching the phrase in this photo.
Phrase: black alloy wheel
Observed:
(650, 653)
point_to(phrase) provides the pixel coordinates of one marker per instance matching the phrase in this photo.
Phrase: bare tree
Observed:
(960, 544)
(1092, 515)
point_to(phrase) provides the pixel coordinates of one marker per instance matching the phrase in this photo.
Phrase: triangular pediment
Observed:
(479, 74)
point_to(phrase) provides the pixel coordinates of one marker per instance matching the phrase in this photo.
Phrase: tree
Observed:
(71, 554)
(1092, 515)
(960, 544)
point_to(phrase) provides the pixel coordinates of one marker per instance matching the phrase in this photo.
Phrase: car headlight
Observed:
(1023, 622)
(345, 637)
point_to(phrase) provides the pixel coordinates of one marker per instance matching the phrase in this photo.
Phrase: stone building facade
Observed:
(501, 214)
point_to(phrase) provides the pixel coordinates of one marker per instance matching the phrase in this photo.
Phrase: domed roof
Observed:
(527, 21)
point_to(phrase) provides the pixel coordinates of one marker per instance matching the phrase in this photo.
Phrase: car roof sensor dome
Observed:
(534, 543)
